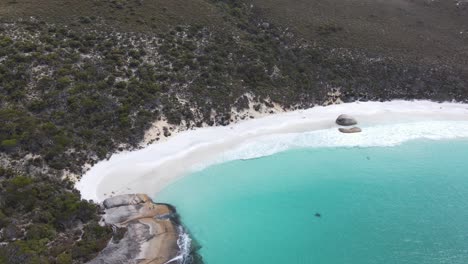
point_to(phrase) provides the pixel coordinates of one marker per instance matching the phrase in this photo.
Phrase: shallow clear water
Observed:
(403, 204)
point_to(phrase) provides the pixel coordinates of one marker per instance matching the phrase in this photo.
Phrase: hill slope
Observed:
(82, 79)
(421, 29)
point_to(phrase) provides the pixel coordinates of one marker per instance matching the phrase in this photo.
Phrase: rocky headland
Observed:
(152, 232)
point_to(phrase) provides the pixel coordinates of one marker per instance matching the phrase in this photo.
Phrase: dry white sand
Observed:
(384, 124)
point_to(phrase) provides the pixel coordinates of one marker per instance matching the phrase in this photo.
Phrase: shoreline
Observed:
(152, 168)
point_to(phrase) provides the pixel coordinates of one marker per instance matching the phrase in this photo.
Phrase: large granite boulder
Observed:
(346, 120)
(125, 199)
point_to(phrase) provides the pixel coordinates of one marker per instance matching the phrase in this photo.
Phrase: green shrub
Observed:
(5, 41)
(9, 143)
(63, 82)
(4, 221)
(19, 182)
(64, 258)
(40, 231)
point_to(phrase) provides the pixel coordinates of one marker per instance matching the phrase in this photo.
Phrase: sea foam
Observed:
(384, 124)
(374, 136)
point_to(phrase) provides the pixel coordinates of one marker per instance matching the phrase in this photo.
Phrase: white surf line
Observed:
(151, 169)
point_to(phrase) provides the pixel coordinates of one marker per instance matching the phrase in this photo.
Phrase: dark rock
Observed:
(346, 120)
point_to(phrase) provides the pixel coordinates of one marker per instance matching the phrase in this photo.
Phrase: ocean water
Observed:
(400, 204)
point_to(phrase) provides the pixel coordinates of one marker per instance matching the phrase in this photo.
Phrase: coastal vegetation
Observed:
(43, 220)
(71, 96)
(80, 80)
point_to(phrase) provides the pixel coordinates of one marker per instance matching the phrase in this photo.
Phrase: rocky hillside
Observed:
(80, 80)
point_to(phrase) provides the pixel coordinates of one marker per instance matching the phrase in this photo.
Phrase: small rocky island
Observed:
(152, 232)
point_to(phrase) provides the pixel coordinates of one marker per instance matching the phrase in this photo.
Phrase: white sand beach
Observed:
(152, 168)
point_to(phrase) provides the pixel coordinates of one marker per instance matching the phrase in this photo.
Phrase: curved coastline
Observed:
(152, 168)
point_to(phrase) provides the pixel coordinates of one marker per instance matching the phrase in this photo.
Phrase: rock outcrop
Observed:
(152, 231)
(350, 130)
(346, 120)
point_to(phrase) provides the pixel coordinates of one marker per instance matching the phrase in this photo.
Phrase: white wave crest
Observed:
(384, 124)
(185, 246)
(375, 136)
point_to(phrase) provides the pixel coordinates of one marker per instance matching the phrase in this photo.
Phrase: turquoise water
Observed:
(404, 204)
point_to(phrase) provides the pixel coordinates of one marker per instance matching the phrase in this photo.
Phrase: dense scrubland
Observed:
(45, 221)
(82, 79)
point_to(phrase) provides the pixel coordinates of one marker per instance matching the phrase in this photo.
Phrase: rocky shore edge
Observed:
(144, 232)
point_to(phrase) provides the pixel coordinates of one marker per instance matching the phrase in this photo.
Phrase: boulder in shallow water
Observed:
(349, 130)
(346, 120)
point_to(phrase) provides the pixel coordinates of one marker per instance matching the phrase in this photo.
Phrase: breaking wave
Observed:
(374, 136)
